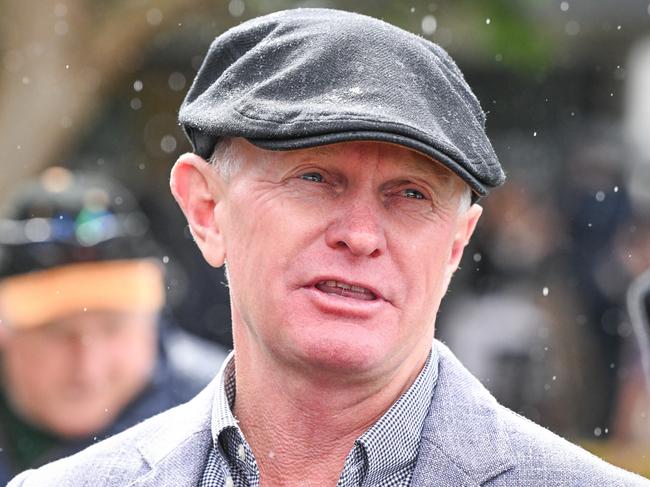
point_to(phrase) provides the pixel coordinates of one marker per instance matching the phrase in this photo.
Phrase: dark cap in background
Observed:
(64, 217)
(307, 77)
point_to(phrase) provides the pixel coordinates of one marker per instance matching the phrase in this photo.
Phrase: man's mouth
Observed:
(344, 289)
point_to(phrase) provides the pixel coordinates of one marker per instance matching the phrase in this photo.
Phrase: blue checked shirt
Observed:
(384, 456)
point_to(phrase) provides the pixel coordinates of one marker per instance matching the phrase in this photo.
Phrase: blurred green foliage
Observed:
(523, 41)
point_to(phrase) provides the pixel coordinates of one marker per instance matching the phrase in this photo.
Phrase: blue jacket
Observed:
(468, 440)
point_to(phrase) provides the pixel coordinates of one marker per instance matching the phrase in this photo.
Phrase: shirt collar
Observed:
(390, 445)
(393, 442)
(224, 399)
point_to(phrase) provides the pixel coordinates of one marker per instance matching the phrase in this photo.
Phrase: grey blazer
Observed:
(468, 439)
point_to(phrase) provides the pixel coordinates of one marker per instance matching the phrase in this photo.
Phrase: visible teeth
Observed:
(359, 289)
(332, 286)
(342, 285)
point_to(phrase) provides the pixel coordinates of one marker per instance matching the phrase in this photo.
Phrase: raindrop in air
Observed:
(176, 81)
(236, 8)
(168, 143)
(572, 28)
(429, 24)
(154, 16)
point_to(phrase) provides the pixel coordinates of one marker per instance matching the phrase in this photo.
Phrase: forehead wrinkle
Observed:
(323, 151)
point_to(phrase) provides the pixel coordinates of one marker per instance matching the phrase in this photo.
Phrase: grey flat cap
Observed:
(306, 77)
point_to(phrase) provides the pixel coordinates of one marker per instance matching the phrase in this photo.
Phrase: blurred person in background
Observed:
(83, 354)
(535, 371)
(632, 254)
(596, 207)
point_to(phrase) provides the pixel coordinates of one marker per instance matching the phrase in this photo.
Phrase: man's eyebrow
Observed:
(417, 162)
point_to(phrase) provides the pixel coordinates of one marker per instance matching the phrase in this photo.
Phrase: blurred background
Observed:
(538, 310)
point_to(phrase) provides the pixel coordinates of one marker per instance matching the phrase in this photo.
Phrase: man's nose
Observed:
(359, 227)
(89, 358)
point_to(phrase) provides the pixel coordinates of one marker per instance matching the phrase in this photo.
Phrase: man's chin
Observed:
(80, 421)
(342, 357)
(78, 430)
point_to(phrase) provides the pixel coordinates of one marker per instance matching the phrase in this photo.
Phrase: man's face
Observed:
(73, 376)
(338, 256)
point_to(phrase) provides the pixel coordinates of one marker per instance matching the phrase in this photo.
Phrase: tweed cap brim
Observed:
(307, 77)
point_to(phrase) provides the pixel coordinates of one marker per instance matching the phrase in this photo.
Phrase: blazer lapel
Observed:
(182, 467)
(176, 452)
(464, 441)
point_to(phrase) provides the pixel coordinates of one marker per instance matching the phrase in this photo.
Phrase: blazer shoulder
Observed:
(485, 443)
(110, 462)
(125, 457)
(543, 457)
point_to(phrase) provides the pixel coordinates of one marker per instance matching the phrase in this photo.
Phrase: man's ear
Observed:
(465, 228)
(199, 191)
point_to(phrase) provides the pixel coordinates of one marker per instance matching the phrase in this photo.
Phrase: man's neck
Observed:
(301, 426)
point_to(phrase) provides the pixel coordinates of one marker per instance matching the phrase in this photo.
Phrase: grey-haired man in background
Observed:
(336, 167)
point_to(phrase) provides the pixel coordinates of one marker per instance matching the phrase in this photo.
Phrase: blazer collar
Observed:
(464, 440)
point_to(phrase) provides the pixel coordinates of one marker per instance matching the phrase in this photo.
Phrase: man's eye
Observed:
(413, 193)
(314, 177)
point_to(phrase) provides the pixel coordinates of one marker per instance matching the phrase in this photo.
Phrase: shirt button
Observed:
(229, 481)
(241, 452)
